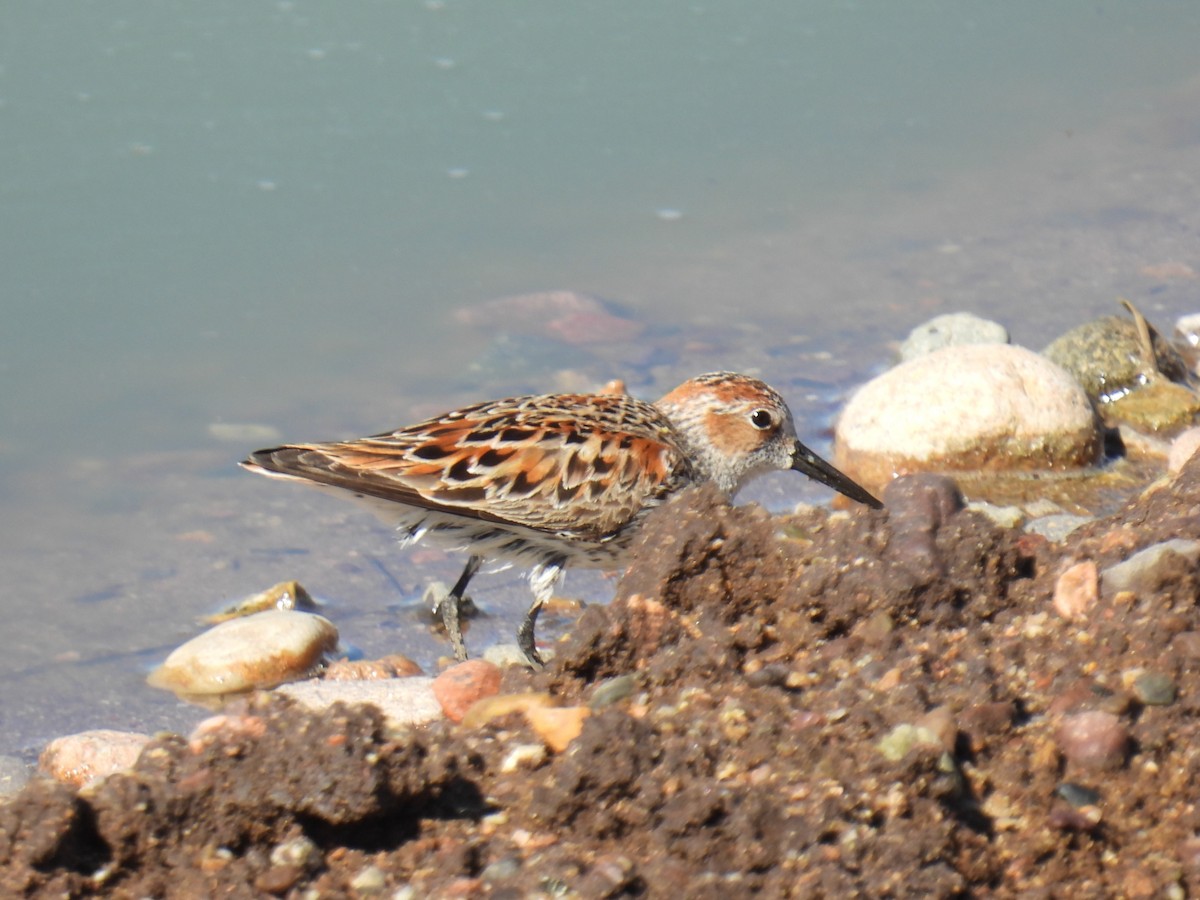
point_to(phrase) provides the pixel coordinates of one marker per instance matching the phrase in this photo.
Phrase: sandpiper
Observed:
(557, 480)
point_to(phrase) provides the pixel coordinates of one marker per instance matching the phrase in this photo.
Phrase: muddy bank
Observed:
(880, 702)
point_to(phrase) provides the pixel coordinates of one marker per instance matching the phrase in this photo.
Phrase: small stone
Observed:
(489, 708)
(939, 722)
(1056, 526)
(460, 686)
(900, 741)
(257, 651)
(557, 727)
(1094, 739)
(278, 879)
(523, 756)
(84, 758)
(1077, 591)
(297, 851)
(1154, 689)
(1145, 571)
(1070, 818)
(370, 880)
(612, 690)
(1077, 794)
(404, 702)
(393, 666)
(950, 330)
(501, 869)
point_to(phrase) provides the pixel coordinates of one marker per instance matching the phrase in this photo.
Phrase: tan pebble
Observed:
(1077, 590)
(81, 759)
(394, 666)
(890, 680)
(523, 756)
(616, 386)
(557, 727)
(257, 651)
(460, 686)
(489, 708)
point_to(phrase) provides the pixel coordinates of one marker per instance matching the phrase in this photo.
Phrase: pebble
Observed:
(403, 701)
(257, 651)
(523, 756)
(370, 880)
(1057, 526)
(612, 690)
(1094, 739)
(1154, 689)
(1077, 794)
(1182, 449)
(393, 666)
(82, 759)
(898, 742)
(978, 406)
(949, 330)
(1077, 590)
(461, 686)
(1143, 572)
(557, 726)
(489, 708)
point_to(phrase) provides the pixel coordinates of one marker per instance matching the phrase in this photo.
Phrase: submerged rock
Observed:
(953, 329)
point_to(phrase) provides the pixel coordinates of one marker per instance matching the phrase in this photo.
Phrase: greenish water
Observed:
(268, 212)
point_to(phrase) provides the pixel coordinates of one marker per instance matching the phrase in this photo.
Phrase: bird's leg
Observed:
(543, 579)
(448, 606)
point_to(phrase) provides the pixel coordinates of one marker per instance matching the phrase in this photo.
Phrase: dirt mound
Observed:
(882, 703)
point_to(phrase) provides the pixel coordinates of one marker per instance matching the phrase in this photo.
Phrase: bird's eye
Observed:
(762, 419)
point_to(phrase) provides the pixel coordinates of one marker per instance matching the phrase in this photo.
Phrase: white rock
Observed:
(979, 406)
(80, 759)
(403, 701)
(950, 330)
(257, 651)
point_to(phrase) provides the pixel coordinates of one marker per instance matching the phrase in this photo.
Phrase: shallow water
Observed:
(268, 214)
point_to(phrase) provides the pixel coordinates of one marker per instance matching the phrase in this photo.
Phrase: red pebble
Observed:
(461, 685)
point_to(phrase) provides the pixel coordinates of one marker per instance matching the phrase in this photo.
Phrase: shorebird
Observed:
(557, 480)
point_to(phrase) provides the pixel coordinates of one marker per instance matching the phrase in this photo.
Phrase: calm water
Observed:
(268, 213)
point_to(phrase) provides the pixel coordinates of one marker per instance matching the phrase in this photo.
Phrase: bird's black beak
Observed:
(804, 460)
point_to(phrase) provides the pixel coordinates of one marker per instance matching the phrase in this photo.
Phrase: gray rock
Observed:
(1143, 572)
(950, 330)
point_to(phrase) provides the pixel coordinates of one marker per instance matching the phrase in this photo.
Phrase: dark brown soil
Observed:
(769, 658)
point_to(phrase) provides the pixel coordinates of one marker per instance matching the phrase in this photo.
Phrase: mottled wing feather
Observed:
(577, 465)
